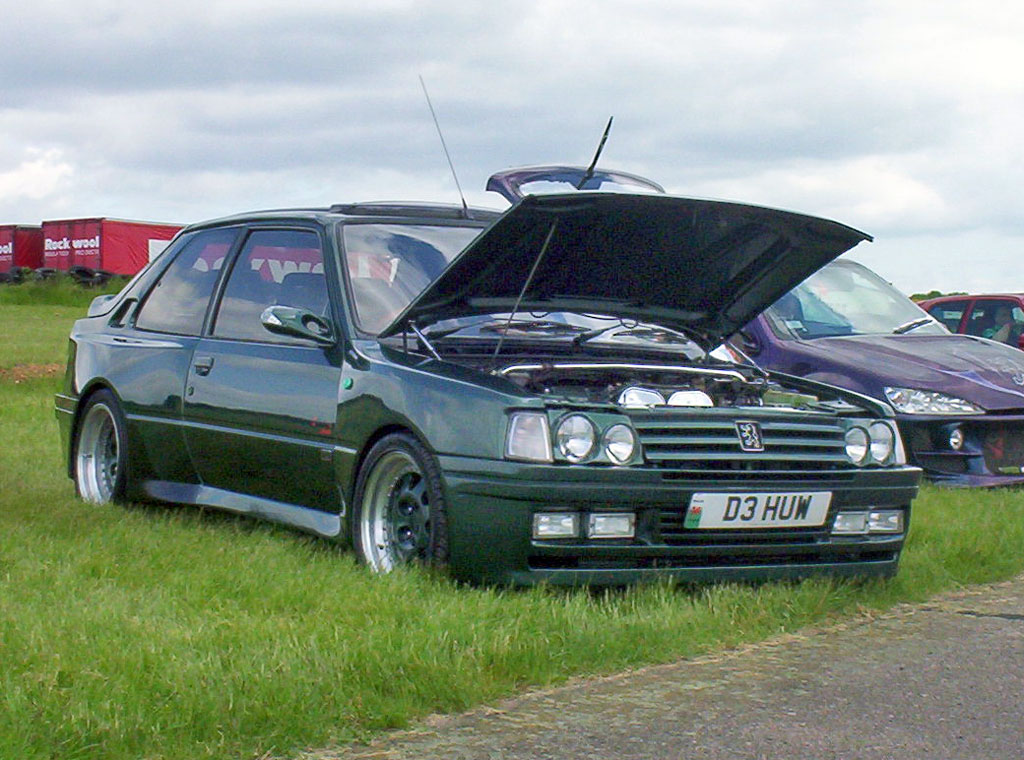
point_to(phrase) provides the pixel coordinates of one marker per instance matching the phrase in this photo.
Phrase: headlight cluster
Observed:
(577, 438)
(914, 401)
(876, 442)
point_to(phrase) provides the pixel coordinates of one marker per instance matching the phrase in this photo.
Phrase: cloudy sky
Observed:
(902, 119)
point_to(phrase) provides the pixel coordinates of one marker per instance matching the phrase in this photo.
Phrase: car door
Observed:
(260, 407)
(150, 361)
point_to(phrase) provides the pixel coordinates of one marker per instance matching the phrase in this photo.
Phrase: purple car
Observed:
(959, 399)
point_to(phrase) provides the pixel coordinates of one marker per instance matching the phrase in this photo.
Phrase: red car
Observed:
(996, 316)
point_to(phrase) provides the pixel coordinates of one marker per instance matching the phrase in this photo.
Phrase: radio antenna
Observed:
(597, 155)
(465, 208)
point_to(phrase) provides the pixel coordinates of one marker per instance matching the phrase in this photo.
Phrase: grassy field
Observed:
(165, 633)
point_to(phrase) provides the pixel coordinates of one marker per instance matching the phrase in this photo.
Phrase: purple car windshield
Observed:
(845, 298)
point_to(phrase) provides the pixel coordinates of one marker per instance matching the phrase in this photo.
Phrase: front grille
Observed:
(706, 444)
(1003, 447)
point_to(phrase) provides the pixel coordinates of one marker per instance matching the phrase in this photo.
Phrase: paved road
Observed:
(938, 681)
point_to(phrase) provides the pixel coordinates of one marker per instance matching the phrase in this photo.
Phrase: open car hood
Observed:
(516, 184)
(706, 267)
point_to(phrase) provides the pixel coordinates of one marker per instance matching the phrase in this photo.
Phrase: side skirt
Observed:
(324, 524)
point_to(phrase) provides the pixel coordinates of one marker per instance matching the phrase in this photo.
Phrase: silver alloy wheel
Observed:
(394, 519)
(98, 455)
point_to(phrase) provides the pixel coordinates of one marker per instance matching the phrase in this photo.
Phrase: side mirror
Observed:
(298, 323)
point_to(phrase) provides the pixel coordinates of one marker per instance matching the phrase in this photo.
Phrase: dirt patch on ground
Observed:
(21, 372)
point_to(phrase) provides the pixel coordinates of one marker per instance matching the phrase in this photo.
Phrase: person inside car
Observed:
(1006, 330)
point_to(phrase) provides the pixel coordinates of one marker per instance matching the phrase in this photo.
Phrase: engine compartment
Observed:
(642, 385)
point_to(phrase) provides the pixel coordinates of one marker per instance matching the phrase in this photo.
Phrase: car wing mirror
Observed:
(298, 323)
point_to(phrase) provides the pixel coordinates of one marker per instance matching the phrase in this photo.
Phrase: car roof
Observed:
(963, 296)
(378, 210)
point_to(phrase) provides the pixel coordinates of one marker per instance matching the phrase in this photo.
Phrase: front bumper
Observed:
(491, 506)
(992, 453)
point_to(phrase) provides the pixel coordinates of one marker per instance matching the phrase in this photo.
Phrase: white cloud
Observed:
(872, 192)
(898, 118)
(41, 175)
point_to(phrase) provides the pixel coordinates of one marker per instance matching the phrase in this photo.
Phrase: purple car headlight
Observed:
(914, 401)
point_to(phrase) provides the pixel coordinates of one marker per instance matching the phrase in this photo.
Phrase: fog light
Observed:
(848, 523)
(956, 439)
(885, 521)
(556, 525)
(621, 525)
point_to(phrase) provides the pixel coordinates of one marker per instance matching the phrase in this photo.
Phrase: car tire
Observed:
(101, 450)
(399, 517)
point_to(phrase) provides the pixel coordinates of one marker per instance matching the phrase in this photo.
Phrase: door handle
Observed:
(203, 365)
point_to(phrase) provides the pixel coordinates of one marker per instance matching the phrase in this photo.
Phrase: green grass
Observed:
(167, 632)
(35, 334)
(59, 290)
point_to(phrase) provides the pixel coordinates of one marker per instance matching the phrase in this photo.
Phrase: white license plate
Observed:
(758, 510)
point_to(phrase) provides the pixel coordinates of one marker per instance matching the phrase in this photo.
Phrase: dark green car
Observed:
(543, 406)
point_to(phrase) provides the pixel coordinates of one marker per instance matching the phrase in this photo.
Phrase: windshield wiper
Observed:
(912, 325)
(586, 335)
(545, 326)
(491, 325)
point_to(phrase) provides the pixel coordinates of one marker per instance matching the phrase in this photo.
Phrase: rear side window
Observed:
(275, 267)
(949, 313)
(177, 302)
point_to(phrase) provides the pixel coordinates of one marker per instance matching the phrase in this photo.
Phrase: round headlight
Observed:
(575, 437)
(858, 443)
(882, 441)
(619, 443)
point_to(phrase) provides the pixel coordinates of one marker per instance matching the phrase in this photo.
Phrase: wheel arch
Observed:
(365, 472)
(378, 434)
(93, 387)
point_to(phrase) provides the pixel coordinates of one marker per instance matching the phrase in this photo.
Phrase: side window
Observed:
(949, 313)
(283, 267)
(177, 302)
(987, 316)
(997, 318)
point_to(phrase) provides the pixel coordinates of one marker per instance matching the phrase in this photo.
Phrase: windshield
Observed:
(390, 264)
(846, 298)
